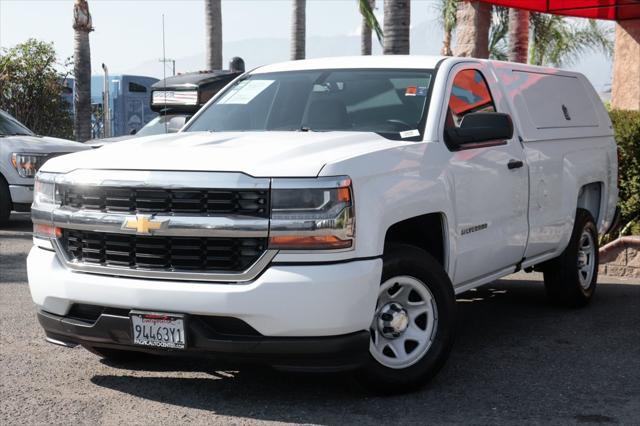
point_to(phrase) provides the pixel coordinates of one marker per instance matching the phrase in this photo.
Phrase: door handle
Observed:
(514, 164)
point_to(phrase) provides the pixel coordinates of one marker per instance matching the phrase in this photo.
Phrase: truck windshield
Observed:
(157, 126)
(9, 126)
(389, 102)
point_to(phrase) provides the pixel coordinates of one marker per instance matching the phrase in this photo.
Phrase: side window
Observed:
(469, 93)
(137, 88)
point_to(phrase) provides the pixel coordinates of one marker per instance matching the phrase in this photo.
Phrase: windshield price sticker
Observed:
(245, 91)
(409, 133)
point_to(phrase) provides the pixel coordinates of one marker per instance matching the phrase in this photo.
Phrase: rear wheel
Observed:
(5, 202)
(571, 278)
(413, 325)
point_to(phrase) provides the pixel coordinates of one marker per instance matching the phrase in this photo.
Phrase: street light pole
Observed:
(173, 64)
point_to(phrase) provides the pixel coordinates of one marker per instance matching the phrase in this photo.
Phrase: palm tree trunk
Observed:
(365, 33)
(298, 30)
(518, 35)
(82, 26)
(474, 21)
(213, 23)
(446, 44)
(397, 21)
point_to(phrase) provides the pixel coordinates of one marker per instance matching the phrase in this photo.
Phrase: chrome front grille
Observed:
(162, 253)
(246, 202)
(174, 225)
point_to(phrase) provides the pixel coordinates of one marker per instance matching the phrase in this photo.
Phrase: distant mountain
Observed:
(426, 39)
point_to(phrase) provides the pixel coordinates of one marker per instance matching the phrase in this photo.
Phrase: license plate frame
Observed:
(160, 330)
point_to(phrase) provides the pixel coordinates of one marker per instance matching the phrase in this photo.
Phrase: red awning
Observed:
(617, 10)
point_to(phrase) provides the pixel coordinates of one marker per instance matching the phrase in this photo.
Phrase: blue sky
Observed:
(127, 34)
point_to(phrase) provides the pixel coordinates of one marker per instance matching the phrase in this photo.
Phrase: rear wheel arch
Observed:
(590, 199)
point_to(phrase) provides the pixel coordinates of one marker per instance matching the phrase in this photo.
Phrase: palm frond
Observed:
(498, 32)
(370, 18)
(448, 14)
(559, 41)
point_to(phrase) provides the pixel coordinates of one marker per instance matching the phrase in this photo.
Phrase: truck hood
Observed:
(97, 143)
(259, 154)
(41, 144)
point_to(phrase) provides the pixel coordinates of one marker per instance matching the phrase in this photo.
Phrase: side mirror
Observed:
(479, 127)
(133, 131)
(176, 123)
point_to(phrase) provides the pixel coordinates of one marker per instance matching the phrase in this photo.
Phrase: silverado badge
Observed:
(143, 224)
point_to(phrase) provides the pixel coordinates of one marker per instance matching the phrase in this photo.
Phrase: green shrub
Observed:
(626, 125)
(31, 88)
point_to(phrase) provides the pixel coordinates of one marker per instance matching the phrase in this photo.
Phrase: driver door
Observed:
(490, 184)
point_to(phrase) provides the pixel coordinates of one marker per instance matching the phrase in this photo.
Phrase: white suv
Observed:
(322, 214)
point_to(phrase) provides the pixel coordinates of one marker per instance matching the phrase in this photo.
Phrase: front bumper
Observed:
(21, 194)
(284, 301)
(330, 353)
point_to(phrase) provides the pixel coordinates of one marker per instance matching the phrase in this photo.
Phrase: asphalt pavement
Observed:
(517, 360)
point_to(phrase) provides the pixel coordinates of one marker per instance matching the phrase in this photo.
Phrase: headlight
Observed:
(45, 199)
(45, 195)
(27, 164)
(312, 214)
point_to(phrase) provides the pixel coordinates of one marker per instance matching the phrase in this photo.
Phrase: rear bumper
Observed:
(332, 353)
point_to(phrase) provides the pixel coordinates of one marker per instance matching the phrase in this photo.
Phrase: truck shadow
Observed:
(18, 222)
(514, 354)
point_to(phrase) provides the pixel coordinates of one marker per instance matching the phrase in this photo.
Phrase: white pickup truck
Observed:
(323, 214)
(22, 152)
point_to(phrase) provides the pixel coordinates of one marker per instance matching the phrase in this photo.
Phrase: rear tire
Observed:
(571, 278)
(412, 330)
(5, 202)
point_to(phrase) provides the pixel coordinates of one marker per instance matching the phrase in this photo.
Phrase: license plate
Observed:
(158, 329)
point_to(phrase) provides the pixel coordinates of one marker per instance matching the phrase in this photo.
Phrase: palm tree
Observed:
(557, 41)
(498, 47)
(213, 24)
(397, 21)
(82, 70)
(298, 29)
(518, 35)
(448, 10)
(473, 22)
(369, 23)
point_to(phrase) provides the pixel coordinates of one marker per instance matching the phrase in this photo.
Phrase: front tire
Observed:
(5, 202)
(412, 330)
(571, 278)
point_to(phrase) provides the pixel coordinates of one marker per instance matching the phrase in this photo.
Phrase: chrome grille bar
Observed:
(173, 226)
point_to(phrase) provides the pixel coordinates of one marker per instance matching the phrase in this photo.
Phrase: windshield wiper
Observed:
(305, 129)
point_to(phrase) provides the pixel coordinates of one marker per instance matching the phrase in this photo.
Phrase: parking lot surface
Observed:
(517, 360)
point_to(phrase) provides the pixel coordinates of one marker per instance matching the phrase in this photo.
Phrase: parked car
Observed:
(22, 153)
(323, 214)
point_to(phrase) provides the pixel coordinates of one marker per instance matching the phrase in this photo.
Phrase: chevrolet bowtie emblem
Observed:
(144, 224)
